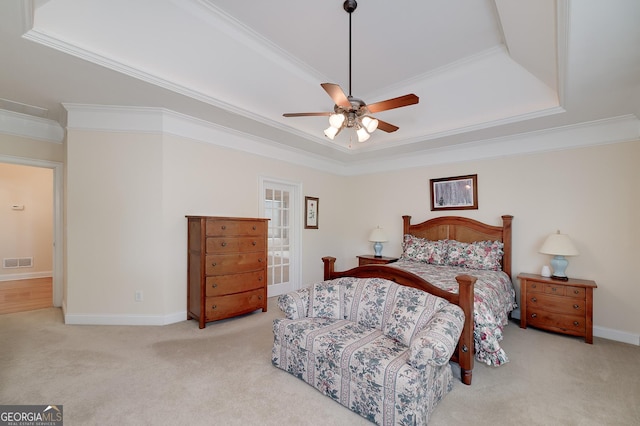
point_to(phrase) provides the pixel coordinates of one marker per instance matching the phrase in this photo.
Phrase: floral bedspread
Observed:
(494, 298)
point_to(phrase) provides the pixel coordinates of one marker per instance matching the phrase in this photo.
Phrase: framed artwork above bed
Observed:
(454, 193)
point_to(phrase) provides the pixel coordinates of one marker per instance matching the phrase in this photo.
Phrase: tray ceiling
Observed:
(483, 69)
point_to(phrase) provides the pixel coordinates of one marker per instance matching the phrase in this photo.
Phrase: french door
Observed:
(281, 204)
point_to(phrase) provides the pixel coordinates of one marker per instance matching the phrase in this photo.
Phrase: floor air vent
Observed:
(17, 262)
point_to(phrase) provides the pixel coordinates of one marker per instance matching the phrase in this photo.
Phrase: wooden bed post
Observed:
(466, 347)
(506, 240)
(407, 222)
(329, 265)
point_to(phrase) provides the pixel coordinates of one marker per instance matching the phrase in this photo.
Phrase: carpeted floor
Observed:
(222, 375)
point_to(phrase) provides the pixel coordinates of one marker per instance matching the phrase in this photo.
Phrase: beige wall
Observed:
(128, 195)
(113, 223)
(33, 149)
(589, 193)
(27, 232)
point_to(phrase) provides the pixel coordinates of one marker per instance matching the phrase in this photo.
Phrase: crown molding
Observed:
(625, 128)
(163, 121)
(29, 126)
(613, 130)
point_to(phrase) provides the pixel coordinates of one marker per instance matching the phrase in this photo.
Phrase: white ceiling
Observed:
(483, 69)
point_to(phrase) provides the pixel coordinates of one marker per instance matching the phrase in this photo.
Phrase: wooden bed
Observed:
(441, 228)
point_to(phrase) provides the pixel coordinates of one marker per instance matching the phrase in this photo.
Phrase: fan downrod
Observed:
(350, 5)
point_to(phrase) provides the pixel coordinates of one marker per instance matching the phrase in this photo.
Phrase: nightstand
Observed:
(561, 306)
(369, 259)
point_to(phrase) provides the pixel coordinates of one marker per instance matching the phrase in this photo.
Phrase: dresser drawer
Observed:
(576, 292)
(569, 324)
(222, 264)
(235, 283)
(223, 245)
(224, 228)
(557, 290)
(559, 304)
(235, 304)
(535, 287)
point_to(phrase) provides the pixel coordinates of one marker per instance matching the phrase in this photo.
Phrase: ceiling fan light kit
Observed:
(352, 112)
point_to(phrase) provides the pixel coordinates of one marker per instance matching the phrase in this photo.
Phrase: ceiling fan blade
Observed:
(307, 114)
(386, 127)
(337, 94)
(398, 102)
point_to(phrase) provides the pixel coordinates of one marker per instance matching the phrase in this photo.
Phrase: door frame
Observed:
(58, 242)
(295, 273)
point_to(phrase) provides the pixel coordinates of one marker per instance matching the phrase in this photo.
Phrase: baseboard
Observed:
(605, 333)
(617, 335)
(126, 319)
(26, 276)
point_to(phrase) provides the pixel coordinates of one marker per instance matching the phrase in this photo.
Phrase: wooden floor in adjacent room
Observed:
(25, 295)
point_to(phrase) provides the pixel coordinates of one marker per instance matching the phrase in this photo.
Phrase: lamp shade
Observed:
(336, 120)
(362, 134)
(331, 132)
(377, 235)
(371, 124)
(559, 245)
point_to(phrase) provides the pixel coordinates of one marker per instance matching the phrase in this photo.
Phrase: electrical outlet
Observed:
(138, 296)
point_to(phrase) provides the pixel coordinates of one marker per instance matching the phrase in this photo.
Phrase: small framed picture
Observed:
(454, 193)
(311, 210)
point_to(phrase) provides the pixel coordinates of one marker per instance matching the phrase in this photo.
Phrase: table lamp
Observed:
(377, 237)
(559, 245)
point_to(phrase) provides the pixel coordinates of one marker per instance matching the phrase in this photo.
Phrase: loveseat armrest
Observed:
(295, 304)
(434, 345)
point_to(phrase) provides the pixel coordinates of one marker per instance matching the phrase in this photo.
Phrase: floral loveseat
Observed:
(378, 348)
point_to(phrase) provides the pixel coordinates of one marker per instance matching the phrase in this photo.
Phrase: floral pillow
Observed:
(477, 255)
(423, 250)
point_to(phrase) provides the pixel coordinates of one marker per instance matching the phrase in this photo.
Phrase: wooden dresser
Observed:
(561, 306)
(227, 267)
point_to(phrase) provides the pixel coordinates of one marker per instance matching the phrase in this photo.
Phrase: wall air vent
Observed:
(17, 262)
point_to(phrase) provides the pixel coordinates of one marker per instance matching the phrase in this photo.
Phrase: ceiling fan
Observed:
(352, 112)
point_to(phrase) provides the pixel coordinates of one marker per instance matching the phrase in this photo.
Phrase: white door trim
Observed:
(58, 243)
(295, 277)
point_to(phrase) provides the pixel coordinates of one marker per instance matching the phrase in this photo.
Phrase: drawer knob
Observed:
(534, 315)
(224, 226)
(554, 289)
(254, 243)
(259, 278)
(533, 299)
(465, 348)
(576, 323)
(576, 292)
(224, 244)
(214, 285)
(214, 306)
(254, 227)
(534, 286)
(576, 306)
(259, 297)
(260, 260)
(214, 264)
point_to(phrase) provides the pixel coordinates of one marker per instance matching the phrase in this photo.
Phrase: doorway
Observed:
(55, 223)
(280, 202)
